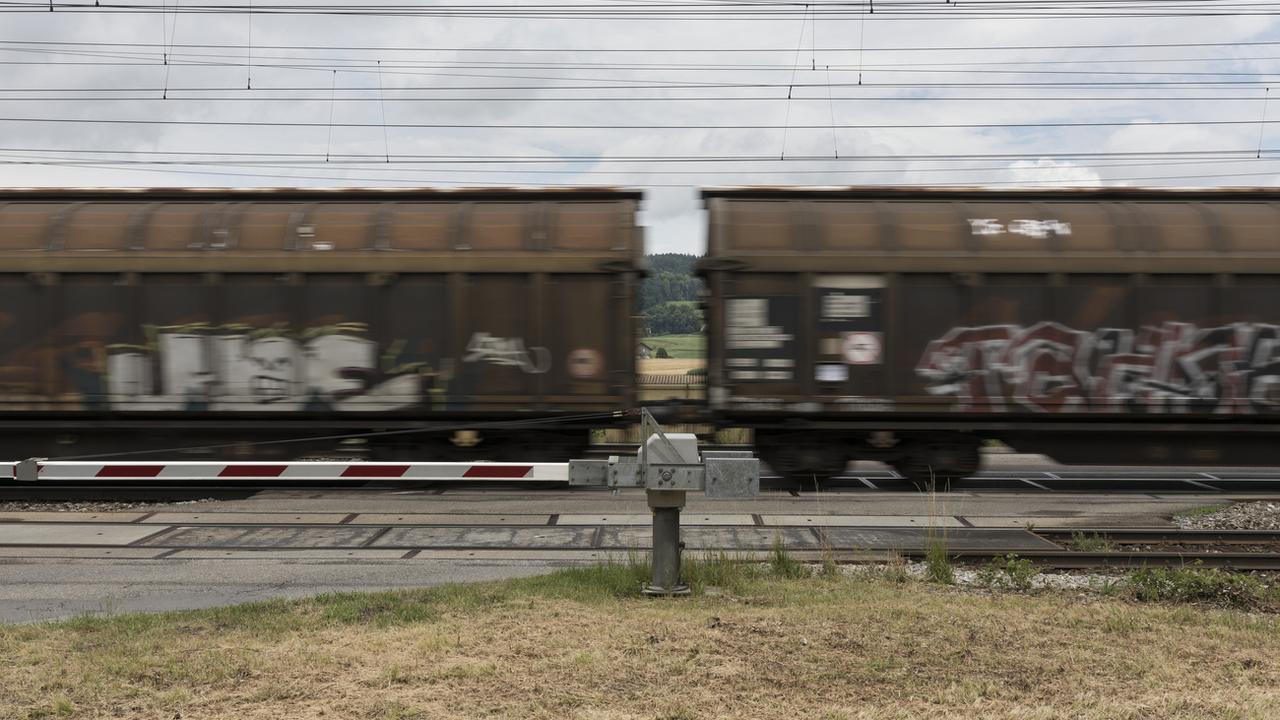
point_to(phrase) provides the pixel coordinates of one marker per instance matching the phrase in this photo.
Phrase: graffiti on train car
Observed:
(237, 367)
(510, 352)
(242, 368)
(1049, 367)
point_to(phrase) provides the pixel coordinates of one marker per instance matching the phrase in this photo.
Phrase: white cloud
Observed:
(1045, 171)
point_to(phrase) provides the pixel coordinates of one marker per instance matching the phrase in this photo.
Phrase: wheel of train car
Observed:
(807, 465)
(935, 466)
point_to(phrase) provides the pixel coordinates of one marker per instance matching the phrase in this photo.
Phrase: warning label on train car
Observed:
(760, 339)
(850, 318)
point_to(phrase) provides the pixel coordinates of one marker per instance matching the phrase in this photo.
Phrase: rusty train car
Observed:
(910, 326)
(241, 320)
(903, 325)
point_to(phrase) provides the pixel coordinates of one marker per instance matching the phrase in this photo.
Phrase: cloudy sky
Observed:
(665, 95)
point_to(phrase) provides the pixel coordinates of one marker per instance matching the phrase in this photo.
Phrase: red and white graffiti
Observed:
(1048, 367)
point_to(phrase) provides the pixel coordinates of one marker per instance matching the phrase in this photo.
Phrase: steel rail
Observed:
(1159, 535)
(1074, 560)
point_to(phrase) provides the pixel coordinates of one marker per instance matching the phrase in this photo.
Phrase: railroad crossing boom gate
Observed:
(668, 466)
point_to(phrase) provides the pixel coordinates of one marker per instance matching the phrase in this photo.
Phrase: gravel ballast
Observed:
(1261, 515)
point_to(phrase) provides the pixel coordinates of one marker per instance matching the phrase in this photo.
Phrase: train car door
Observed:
(848, 368)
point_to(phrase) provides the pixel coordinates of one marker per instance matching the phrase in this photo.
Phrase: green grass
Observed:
(1203, 585)
(1092, 542)
(773, 640)
(937, 561)
(687, 347)
(1203, 510)
(1008, 573)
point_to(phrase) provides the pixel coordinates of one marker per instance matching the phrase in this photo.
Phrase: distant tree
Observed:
(678, 263)
(663, 354)
(673, 318)
(670, 279)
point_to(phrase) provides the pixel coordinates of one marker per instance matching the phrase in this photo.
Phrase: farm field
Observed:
(673, 366)
(679, 346)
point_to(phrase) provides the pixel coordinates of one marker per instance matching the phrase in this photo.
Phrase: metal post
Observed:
(665, 578)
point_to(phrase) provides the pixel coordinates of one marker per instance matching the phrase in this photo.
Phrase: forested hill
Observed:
(670, 279)
(669, 294)
(672, 262)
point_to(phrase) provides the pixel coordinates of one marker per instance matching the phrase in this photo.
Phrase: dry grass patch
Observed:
(757, 642)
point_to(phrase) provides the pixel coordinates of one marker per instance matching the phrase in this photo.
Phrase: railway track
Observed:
(211, 535)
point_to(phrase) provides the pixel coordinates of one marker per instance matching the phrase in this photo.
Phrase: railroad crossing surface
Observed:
(293, 542)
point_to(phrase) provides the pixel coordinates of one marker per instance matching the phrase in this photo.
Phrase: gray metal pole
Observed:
(665, 578)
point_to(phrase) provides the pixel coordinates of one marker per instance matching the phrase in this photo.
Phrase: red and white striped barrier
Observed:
(301, 471)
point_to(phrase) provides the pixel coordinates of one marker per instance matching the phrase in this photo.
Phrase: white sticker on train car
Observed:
(862, 348)
(830, 372)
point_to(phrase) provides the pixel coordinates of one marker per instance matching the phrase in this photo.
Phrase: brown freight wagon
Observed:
(149, 320)
(1095, 326)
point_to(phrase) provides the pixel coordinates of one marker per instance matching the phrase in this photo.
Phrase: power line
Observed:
(256, 97)
(411, 158)
(363, 62)
(656, 50)
(721, 11)
(631, 126)
(419, 180)
(55, 161)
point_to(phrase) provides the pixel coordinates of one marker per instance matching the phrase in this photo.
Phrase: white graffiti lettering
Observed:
(1031, 228)
(509, 352)
(235, 371)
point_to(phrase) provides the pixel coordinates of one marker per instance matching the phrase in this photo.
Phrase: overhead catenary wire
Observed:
(49, 160)
(471, 159)
(507, 184)
(717, 11)
(577, 50)
(1216, 86)
(634, 126)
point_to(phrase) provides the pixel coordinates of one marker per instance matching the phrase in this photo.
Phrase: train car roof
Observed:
(216, 194)
(894, 192)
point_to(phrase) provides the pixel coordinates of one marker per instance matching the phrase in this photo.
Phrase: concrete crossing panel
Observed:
(487, 537)
(263, 537)
(59, 534)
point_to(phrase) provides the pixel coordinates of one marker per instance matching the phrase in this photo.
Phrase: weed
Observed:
(722, 570)
(783, 565)
(1092, 542)
(1109, 587)
(894, 569)
(1195, 584)
(60, 707)
(829, 566)
(937, 563)
(1008, 573)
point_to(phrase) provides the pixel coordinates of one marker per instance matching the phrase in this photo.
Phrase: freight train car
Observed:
(154, 320)
(909, 326)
